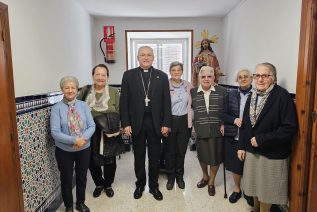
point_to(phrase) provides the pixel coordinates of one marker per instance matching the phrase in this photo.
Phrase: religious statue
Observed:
(206, 57)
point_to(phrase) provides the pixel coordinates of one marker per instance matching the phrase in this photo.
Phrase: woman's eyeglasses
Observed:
(263, 76)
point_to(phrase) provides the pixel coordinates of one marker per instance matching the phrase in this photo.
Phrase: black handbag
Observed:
(109, 125)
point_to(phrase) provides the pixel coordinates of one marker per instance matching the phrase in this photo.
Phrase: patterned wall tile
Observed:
(40, 175)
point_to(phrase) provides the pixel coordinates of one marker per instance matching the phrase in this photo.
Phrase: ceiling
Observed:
(159, 8)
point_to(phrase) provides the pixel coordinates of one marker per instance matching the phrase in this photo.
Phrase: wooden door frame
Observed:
(14, 134)
(305, 90)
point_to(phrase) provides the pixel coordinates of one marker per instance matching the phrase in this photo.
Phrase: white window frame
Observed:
(185, 37)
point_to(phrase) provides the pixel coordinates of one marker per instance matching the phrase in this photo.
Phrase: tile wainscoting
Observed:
(40, 176)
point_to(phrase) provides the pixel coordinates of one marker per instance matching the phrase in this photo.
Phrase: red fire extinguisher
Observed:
(109, 39)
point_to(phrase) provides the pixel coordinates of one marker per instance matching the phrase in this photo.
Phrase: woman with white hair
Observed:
(72, 126)
(208, 103)
(232, 118)
(269, 124)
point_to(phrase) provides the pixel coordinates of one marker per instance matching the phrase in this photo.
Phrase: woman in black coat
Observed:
(269, 124)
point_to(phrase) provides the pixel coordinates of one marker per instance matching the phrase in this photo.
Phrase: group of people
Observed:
(249, 129)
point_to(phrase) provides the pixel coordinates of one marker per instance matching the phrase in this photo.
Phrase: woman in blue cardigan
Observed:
(72, 126)
(269, 124)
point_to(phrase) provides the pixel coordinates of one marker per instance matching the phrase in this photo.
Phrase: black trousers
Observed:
(65, 161)
(175, 146)
(109, 172)
(146, 137)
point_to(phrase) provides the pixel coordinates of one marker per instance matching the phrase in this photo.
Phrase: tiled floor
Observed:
(189, 199)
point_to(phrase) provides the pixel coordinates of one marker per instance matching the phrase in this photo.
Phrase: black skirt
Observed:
(232, 161)
(210, 150)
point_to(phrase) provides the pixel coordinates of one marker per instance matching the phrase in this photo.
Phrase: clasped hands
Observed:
(79, 142)
(128, 131)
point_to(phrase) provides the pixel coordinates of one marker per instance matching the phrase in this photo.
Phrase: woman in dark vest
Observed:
(208, 103)
(232, 118)
(101, 98)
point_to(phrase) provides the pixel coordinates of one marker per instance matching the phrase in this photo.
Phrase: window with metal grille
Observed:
(168, 46)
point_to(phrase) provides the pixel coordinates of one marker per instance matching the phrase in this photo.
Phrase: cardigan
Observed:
(59, 125)
(275, 126)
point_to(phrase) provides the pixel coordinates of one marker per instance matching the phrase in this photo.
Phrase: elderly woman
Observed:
(232, 118)
(208, 103)
(176, 145)
(71, 127)
(102, 99)
(269, 124)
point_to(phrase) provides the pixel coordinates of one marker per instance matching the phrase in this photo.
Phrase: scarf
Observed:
(102, 103)
(255, 106)
(75, 123)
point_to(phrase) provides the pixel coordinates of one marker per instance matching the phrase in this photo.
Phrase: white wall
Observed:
(263, 31)
(49, 39)
(214, 26)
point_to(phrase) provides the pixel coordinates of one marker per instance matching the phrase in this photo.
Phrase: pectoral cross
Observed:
(146, 101)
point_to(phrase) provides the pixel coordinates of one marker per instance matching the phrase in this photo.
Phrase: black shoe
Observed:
(82, 207)
(202, 183)
(211, 190)
(170, 184)
(69, 209)
(181, 183)
(109, 192)
(156, 193)
(97, 191)
(235, 196)
(249, 200)
(138, 192)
